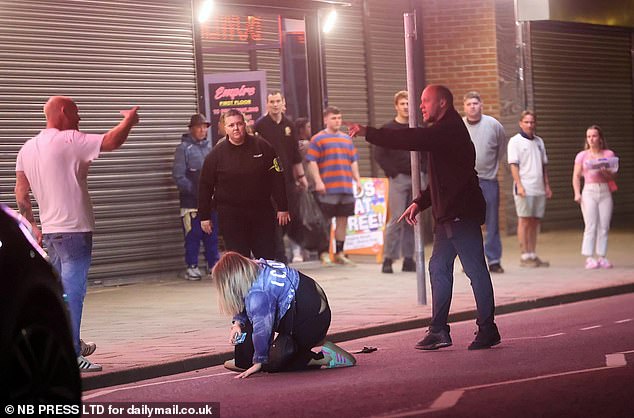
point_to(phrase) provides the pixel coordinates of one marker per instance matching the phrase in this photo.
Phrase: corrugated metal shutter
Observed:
(269, 59)
(108, 55)
(345, 68)
(582, 75)
(386, 51)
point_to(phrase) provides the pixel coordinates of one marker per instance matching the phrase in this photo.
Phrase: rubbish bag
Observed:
(308, 228)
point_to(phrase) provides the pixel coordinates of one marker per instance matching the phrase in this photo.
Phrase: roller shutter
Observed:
(386, 51)
(108, 55)
(345, 68)
(582, 75)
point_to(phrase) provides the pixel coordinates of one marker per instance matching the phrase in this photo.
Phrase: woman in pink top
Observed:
(596, 198)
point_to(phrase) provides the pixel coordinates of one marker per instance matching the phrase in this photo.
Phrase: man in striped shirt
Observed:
(333, 164)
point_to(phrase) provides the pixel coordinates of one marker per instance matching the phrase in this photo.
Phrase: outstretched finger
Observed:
(404, 215)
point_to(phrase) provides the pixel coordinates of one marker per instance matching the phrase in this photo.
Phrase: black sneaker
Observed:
(496, 268)
(486, 337)
(387, 266)
(409, 264)
(434, 340)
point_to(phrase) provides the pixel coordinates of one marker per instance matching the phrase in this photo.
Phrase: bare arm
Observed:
(576, 182)
(515, 172)
(355, 175)
(549, 193)
(300, 176)
(314, 172)
(23, 199)
(116, 136)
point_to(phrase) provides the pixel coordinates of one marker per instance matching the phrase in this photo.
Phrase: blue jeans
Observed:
(464, 239)
(210, 242)
(492, 243)
(70, 255)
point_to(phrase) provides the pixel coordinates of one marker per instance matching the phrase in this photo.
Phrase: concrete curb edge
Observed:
(91, 382)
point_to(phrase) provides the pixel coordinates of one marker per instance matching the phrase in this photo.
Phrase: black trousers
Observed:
(248, 230)
(309, 325)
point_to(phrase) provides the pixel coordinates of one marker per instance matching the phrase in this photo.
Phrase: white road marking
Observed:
(447, 399)
(615, 360)
(450, 398)
(588, 328)
(109, 391)
(536, 337)
(622, 321)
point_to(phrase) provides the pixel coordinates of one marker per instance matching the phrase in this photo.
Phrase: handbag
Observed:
(283, 347)
(612, 186)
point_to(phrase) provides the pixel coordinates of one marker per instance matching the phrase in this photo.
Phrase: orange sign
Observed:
(233, 28)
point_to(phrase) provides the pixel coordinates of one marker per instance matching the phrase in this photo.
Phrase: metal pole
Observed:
(410, 38)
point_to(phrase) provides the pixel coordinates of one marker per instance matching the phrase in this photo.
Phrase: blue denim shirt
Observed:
(267, 301)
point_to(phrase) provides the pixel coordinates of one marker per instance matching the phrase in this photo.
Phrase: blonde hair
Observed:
(472, 95)
(233, 276)
(400, 95)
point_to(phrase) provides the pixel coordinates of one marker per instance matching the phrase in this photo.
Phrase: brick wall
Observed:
(460, 51)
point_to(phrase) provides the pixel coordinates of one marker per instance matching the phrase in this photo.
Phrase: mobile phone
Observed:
(239, 338)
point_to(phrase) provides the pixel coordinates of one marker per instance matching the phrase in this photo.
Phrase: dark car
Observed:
(37, 360)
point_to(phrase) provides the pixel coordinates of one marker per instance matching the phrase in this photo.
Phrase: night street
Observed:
(568, 360)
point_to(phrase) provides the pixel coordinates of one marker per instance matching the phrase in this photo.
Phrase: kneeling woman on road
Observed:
(265, 297)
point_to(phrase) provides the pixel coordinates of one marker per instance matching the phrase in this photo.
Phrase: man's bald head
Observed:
(435, 101)
(61, 113)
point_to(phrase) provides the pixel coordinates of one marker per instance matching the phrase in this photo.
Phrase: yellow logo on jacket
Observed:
(276, 165)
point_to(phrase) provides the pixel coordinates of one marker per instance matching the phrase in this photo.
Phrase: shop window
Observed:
(295, 70)
(239, 42)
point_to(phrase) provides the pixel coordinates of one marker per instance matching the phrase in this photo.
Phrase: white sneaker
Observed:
(297, 259)
(604, 263)
(87, 348)
(193, 273)
(86, 365)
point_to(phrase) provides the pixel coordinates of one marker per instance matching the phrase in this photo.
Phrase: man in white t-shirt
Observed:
(489, 139)
(54, 166)
(528, 161)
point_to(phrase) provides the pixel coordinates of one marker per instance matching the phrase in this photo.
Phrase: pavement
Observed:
(169, 325)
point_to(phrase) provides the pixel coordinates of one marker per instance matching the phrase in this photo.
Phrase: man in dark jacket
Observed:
(458, 208)
(279, 131)
(188, 161)
(399, 237)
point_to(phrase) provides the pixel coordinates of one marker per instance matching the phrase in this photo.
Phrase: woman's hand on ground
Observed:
(248, 372)
(235, 330)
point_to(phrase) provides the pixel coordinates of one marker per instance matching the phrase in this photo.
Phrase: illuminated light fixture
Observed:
(205, 11)
(330, 21)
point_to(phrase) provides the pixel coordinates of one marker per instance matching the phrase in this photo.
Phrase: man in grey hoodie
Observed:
(188, 161)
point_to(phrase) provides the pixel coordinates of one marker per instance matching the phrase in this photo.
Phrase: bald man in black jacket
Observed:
(458, 208)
